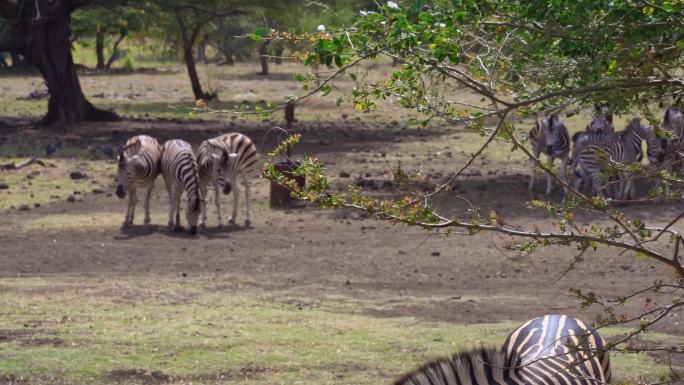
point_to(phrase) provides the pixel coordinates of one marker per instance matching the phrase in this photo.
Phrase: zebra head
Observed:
(603, 121)
(223, 168)
(554, 133)
(126, 172)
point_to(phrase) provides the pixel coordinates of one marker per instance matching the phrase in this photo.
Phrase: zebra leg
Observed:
(548, 176)
(534, 169)
(203, 205)
(178, 226)
(248, 195)
(565, 160)
(130, 211)
(236, 199)
(217, 190)
(148, 194)
(172, 208)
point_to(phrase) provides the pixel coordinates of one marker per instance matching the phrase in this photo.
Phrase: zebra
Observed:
(138, 167)
(223, 160)
(549, 136)
(552, 349)
(180, 172)
(662, 154)
(673, 121)
(622, 147)
(602, 121)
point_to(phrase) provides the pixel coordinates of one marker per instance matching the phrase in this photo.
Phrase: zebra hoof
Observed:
(231, 221)
(202, 226)
(248, 223)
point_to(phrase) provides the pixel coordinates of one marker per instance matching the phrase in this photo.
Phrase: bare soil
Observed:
(312, 252)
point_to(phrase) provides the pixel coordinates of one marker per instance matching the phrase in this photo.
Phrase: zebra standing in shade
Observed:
(224, 160)
(549, 136)
(180, 172)
(623, 147)
(553, 349)
(138, 167)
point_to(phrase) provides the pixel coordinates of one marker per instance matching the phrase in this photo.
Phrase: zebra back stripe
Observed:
(245, 159)
(149, 152)
(549, 350)
(180, 169)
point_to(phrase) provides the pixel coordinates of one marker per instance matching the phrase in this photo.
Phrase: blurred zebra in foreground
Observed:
(138, 167)
(549, 136)
(180, 172)
(223, 161)
(552, 349)
(600, 151)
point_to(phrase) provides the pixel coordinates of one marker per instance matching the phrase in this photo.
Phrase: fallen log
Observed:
(13, 166)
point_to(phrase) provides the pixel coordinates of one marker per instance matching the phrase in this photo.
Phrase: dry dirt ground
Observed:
(322, 253)
(466, 278)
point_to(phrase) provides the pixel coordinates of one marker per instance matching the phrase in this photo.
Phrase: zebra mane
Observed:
(440, 369)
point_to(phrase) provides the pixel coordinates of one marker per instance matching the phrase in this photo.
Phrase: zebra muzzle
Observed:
(120, 192)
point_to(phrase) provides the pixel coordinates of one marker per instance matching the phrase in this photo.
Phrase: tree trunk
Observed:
(278, 52)
(48, 48)
(99, 50)
(188, 44)
(263, 56)
(202, 51)
(115, 50)
(228, 54)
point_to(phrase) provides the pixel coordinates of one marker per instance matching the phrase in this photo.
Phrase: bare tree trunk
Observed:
(49, 49)
(115, 49)
(188, 44)
(228, 55)
(202, 51)
(278, 50)
(263, 56)
(99, 50)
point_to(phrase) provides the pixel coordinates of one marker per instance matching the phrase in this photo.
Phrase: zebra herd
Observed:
(224, 161)
(599, 146)
(548, 350)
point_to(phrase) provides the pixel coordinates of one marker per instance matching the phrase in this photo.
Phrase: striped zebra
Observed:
(662, 154)
(138, 167)
(673, 121)
(602, 121)
(549, 136)
(224, 160)
(594, 158)
(549, 350)
(180, 172)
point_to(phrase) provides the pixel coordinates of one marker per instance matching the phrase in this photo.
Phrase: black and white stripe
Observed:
(549, 350)
(600, 151)
(138, 167)
(550, 136)
(602, 121)
(180, 171)
(224, 161)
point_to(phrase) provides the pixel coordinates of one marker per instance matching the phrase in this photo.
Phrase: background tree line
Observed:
(40, 34)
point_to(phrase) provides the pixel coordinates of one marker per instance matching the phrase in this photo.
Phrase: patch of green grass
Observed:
(195, 330)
